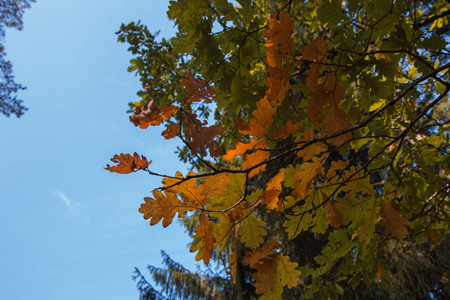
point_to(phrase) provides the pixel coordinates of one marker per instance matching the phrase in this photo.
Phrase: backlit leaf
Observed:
(127, 163)
(392, 221)
(164, 206)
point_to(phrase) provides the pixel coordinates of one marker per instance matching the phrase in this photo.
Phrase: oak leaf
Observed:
(171, 131)
(332, 214)
(198, 90)
(146, 117)
(201, 136)
(334, 119)
(392, 221)
(168, 111)
(367, 224)
(256, 256)
(279, 33)
(278, 84)
(316, 50)
(265, 274)
(164, 206)
(128, 164)
(335, 166)
(273, 270)
(200, 194)
(203, 239)
(286, 130)
(313, 149)
(287, 271)
(252, 231)
(270, 199)
(301, 176)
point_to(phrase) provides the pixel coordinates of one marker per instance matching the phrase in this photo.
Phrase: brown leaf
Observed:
(392, 221)
(288, 129)
(198, 90)
(316, 50)
(201, 136)
(265, 274)
(332, 214)
(127, 163)
(279, 33)
(171, 131)
(144, 118)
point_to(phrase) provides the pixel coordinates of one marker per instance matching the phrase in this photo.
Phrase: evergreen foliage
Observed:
(11, 12)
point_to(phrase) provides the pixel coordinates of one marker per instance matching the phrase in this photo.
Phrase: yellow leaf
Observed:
(252, 231)
(336, 165)
(287, 271)
(367, 224)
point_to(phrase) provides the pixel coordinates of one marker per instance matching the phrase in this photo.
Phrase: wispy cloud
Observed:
(74, 207)
(59, 194)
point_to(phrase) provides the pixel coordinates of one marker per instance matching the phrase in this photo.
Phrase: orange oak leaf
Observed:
(203, 239)
(199, 194)
(198, 90)
(269, 198)
(288, 129)
(201, 136)
(392, 221)
(334, 119)
(188, 188)
(213, 186)
(232, 262)
(273, 58)
(303, 175)
(279, 33)
(164, 206)
(275, 182)
(380, 271)
(241, 148)
(273, 270)
(264, 113)
(263, 118)
(265, 274)
(313, 149)
(168, 111)
(316, 50)
(127, 163)
(256, 256)
(332, 214)
(144, 118)
(336, 165)
(278, 84)
(171, 131)
(255, 158)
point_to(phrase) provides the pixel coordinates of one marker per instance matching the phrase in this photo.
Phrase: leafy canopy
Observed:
(343, 132)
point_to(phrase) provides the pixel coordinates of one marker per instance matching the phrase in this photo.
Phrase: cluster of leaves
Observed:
(345, 137)
(11, 12)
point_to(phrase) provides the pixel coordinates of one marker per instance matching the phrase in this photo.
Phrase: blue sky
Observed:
(69, 229)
